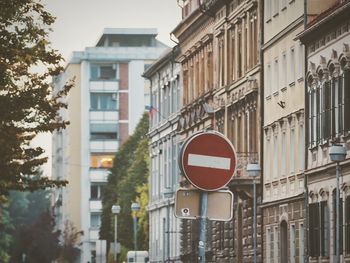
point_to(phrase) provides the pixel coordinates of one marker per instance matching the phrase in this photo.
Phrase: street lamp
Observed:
(168, 193)
(135, 207)
(254, 170)
(115, 211)
(337, 153)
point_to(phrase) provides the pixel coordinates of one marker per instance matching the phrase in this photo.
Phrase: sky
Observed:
(80, 23)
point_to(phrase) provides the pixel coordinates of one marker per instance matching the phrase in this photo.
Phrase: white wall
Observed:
(136, 93)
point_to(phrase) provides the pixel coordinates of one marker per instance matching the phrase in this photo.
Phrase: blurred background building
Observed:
(104, 107)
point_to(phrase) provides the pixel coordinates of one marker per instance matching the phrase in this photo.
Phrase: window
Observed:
(267, 159)
(283, 4)
(103, 101)
(275, 244)
(103, 131)
(268, 81)
(284, 70)
(292, 243)
(340, 223)
(95, 220)
(328, 102)
(284, 159)
(267, 10)
(300, 61)
(324, 229)
(301, 242)
(96, 191)
(275, 7)
(291, 151)
(275, 156)
(301, 148)
(292, 66)
(314, 238)
(269, 246)
(347, 225)
(103, 72)
(276, 74)
(101, 161)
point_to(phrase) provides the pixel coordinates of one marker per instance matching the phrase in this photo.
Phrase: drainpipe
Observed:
(306, 128)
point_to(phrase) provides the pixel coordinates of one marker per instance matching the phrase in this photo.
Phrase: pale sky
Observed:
(80, 23)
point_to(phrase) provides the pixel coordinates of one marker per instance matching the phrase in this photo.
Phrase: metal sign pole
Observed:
(203, 227)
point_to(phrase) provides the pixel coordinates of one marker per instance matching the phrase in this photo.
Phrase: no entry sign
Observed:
(208, 160)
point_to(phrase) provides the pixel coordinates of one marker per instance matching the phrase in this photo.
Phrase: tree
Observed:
(41, 241)
(143, 222)
(130, 170)
(70, 251)
(5, 236)
(28, 105)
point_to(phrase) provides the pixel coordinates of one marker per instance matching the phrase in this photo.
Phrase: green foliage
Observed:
(5, 236)
(71, 236)
(130, 171)
(40, 240)
(28, 105)
(143, 222)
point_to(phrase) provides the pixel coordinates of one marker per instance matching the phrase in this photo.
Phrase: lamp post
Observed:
(135, 207)
(337, 153)
(254, 170)
(115, 211)
(168, 193)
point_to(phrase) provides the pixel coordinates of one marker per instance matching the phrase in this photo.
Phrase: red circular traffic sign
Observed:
(208, 160)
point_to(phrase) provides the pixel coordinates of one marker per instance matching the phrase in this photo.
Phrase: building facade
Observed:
(104, 107)
(165, 103)
(327, 90)
(219, 54)
(283, 205)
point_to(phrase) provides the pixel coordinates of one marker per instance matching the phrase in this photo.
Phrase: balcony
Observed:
(95, 205)
(112, 115)
(104, 85)
(98, 175)
(104, 146)
(94, 234)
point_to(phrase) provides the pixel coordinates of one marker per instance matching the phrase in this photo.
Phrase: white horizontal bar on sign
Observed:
(209, 161)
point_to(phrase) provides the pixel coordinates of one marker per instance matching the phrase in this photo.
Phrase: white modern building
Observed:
(164, 77)
(104, 107)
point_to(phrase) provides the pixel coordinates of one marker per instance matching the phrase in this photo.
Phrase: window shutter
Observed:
(347, 225)
(314, 237)
(347, 97)
(340, 105)
(327, 109)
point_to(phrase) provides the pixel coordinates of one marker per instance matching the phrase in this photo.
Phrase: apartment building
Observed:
(104, 107)
(220, 65)
(327, 40)
(283, 205)
(164, 108)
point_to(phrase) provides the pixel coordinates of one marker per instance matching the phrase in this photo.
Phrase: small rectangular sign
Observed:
(220, 204)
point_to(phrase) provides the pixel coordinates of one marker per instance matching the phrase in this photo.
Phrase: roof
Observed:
(130, 31)
(326, 19)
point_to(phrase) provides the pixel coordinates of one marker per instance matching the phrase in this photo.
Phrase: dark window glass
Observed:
(347, 225)
(324, 229)
(103, 101)
(94, 192)
(340, 223)
(314, 237)
(346, 98)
